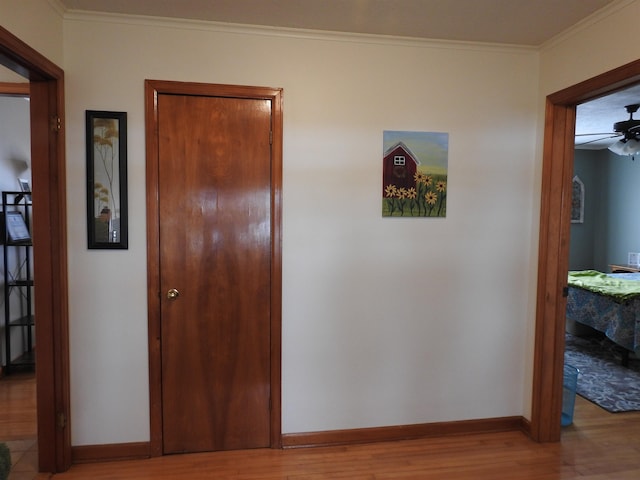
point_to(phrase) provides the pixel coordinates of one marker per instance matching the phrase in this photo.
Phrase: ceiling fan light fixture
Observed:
(626, 147)
(617, 147)
(632, 147)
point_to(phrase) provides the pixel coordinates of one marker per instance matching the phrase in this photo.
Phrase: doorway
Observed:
(213, 190)
(46, 89)
(553, 258)
(17, 384)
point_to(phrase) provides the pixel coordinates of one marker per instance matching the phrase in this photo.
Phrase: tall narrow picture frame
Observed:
(107, 216)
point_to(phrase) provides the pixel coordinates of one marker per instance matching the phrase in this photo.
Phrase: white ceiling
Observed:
(520, 22)
(516, 22)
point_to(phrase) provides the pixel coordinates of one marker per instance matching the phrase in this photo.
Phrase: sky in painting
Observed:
(430, 148)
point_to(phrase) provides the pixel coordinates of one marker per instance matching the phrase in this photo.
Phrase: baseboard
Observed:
(110, 452)
(138, 450)
(403, 432)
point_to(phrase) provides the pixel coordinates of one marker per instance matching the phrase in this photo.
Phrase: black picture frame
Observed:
(107, 212)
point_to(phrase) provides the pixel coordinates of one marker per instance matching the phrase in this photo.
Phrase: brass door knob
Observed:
(173, 294)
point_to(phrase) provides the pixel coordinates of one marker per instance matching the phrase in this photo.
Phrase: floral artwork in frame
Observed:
(414, 170)
(107, 216)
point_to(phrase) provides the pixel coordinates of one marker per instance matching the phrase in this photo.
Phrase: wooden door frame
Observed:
(153, 88)
(553, 258)
(46, 90)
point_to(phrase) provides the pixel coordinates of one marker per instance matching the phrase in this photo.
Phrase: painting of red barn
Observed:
(414, 174)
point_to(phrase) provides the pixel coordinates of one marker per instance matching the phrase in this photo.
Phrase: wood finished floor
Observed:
(18, 423)
(598, 446)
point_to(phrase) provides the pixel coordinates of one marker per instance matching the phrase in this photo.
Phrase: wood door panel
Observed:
(215, 249)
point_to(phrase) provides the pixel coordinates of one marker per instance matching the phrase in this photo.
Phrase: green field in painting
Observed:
(427, 199)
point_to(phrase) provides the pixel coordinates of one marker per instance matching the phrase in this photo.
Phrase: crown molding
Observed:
(587, 22)
(58, 6)
(282, 32)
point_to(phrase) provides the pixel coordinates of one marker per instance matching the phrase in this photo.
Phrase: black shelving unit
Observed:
(19, 317)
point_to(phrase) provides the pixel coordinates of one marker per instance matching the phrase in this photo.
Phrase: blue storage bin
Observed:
(569, 386)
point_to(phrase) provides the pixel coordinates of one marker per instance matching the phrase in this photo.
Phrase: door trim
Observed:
(553, 253)
(46, 90)
(152, 89)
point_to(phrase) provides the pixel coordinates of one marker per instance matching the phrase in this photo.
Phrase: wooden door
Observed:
(214, 199)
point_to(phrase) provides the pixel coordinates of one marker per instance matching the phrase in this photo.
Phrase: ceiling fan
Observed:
(628, 129)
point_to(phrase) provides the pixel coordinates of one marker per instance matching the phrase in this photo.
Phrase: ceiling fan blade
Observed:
(589, 134)
(596, 140)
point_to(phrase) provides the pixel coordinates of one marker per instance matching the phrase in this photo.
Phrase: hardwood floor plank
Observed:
(598, 446)
(18, 423)
(18, 412)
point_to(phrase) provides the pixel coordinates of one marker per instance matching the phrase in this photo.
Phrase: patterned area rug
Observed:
(602, 379)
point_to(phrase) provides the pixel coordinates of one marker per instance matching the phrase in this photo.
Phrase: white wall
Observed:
(386, 321)
(38, 23)
(595, 46)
